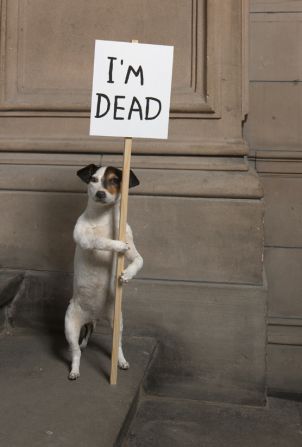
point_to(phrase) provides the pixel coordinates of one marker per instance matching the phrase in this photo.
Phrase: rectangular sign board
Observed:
(131, 90)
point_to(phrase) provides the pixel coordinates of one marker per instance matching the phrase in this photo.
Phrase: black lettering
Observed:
(98, 107)
(136, 73)
(148, 99)
(116, 107)
(111, 81)
(135, 109)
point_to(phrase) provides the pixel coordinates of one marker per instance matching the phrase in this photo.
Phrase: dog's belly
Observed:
(94, 275)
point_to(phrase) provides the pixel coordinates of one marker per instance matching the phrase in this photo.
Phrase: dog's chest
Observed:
(101, 258)
(104, 230)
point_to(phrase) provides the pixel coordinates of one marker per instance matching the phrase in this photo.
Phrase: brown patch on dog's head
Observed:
(112, 180)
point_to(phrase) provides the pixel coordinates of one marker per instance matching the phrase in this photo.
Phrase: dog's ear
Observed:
(87, 172)
(133, 180)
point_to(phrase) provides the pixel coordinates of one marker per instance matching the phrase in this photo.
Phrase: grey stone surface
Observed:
(273, 130)
(185, 238)
(268, 112)
(2, 318)
(198, 182)
(44, 301)
(40, 407)
(196, 239)
(181, 423)
(283, 268)
(275, 53)
(9, 285)
(283, 210)
(276, 6)
(181, 238)
(53, 82)
(284, 367)
(212, 336)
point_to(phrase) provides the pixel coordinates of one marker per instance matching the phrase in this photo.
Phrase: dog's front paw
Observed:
(73, 375)
(125, 277)
(121, 247)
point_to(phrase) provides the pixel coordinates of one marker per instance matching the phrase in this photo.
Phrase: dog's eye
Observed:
(114, 181)
(94, 179)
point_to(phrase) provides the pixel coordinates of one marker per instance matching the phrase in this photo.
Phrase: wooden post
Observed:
(120, 259)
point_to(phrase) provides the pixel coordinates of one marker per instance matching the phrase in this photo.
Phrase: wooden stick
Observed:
(120, 261)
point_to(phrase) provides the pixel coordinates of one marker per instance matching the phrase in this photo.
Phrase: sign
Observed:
(131, 90)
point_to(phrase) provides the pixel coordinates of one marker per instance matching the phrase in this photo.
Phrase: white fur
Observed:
(95, 267)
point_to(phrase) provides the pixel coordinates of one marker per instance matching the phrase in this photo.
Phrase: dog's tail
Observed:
(85, 333)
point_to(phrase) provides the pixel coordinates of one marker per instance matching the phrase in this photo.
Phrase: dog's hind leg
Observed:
(87, 329)
(73, 324)
(122, 362)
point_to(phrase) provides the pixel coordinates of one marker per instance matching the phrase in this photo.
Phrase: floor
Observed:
(40, 407)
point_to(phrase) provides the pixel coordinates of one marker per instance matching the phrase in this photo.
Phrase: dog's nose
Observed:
(101, 195)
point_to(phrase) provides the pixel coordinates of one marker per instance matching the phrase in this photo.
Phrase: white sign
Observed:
(131, 90)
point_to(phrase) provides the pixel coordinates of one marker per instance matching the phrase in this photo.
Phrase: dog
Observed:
(96, 251)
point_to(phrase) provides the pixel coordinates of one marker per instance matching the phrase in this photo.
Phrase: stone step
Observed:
(162, 422)
(40, 406)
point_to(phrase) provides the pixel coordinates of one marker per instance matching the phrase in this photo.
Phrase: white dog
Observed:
(95, 259)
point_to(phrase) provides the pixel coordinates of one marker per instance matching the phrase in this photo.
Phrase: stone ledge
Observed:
(137, 161)
(96, 145)
(155, 182)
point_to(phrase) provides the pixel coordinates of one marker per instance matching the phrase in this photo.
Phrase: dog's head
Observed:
(104, 183)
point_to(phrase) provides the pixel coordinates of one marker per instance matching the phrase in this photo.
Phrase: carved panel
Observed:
(47, 50)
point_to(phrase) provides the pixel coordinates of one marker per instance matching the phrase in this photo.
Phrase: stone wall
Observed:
(198, 214)
(274, 133)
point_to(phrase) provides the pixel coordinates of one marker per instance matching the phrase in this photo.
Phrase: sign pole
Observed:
(120, 259)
